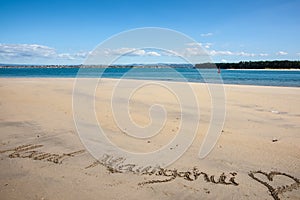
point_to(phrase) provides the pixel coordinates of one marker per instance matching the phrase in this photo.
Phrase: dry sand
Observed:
(258, 149)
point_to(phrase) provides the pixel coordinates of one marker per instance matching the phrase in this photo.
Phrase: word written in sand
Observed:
(30, 151)
(116, 165)
(270, 177)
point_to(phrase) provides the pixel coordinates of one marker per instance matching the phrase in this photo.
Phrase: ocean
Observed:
(286, 78)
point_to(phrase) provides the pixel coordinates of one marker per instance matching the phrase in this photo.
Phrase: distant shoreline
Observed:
(267, 69)
(73, 67)
(249, 65)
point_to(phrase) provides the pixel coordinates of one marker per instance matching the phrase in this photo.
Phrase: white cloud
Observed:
(207, 45)
(206, 34)
(245, 54)
(194, 44)
(263, 54)
(241, 53)
(26, 50)
(196, 51)
(128, 52)
(171, 53)
(192, 51)
(223, 53)
(120, 51)
(230, 53)
(198, 44)
(298, 54)
(34, 51)
(153, 53)
(224, 61)
(281, 53)
(82, 54)
(138, 52)
(66, 56)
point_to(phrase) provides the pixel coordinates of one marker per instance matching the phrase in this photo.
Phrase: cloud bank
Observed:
(281, 53)
(35, 53)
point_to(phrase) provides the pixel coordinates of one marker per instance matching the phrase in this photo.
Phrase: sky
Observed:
(67, 31)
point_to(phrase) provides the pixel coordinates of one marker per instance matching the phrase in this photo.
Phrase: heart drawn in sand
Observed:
(275, 191)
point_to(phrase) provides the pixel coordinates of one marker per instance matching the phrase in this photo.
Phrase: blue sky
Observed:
(64, 32)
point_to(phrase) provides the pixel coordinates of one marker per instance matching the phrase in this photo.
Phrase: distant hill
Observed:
(282, 64)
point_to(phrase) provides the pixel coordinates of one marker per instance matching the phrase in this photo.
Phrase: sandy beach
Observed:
(256, 157)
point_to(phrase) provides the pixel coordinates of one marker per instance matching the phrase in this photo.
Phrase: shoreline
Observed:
(145, 67)
(132, 79)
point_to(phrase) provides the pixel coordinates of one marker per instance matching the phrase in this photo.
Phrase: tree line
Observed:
(278, 64)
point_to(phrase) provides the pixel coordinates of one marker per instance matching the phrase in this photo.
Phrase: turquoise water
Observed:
(241, 77)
